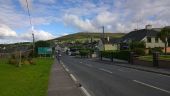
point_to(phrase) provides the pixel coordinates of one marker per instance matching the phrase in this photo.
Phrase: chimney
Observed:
(148, 27)
(108, 39)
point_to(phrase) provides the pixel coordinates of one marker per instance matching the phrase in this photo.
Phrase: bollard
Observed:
(131, 55)
(155, 59)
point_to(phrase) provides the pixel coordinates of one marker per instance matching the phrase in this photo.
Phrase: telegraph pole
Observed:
(103, 38)
(103, 32)
(33, 45)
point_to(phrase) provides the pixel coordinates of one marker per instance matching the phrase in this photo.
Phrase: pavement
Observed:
(101, 79)
(124, 63)
(61, 84)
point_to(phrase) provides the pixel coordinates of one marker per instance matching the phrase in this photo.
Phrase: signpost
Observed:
(44, 51)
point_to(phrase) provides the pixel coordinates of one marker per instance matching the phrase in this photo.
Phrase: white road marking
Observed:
(152, 86)
(67, 69)
(121, 70)
(81, 62)
(108, 71)
(164, 75)
(85, 91)
(73, 77)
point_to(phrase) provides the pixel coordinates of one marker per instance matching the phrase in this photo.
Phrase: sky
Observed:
(55, 18)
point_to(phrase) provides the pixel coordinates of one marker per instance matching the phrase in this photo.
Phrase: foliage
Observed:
(165, 32)
(17, 60)
(84, 52)
(25, 81)
(137, 44)
(156, 49)
(123, 54)
(139, 51)
(163, 35)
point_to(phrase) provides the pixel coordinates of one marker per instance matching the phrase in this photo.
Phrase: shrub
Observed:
(156, 49)
(106, 54)
(139, 51)
(84, 52)
(123, 54)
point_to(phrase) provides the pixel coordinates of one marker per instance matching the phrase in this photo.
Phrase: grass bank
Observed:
(28, 80)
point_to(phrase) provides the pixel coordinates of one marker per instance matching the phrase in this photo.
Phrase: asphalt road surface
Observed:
(110, 80)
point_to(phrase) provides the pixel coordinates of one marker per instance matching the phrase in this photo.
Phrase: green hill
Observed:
(81, 36)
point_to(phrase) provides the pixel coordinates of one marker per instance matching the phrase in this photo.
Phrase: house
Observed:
(108, 44)
(147, 35)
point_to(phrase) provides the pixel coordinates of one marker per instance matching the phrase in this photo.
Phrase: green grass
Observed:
(87, 35)
(149, 57)
(28, 80)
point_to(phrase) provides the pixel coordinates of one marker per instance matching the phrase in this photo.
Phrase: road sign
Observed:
(44, 50)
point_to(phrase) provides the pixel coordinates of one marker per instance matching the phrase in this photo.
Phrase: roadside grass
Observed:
(149, 57)
(28, 80)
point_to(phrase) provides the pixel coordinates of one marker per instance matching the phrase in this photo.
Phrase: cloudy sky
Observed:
(54, 18)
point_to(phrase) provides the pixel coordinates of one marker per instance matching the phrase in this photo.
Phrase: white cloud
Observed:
(7, 35)
(5, 31)
(85, 25)
(105, 18)
(38, 34)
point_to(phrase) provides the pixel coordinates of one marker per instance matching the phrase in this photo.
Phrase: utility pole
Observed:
(103, 38)
(33, 45)
(103, 32)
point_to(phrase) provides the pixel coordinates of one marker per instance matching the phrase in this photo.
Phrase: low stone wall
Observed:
(142, 62)
(162, 63)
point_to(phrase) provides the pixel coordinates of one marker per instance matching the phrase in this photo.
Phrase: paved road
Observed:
(109, 80)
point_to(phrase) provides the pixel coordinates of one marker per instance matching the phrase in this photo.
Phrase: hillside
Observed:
(85, 35)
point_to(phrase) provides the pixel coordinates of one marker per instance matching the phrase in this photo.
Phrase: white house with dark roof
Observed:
(147, 35)
(108, 44)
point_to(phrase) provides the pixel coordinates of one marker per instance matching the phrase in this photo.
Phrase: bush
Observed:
(139, 51)
(124, 54)
(156, 49)
(84, 52)
(107, 54)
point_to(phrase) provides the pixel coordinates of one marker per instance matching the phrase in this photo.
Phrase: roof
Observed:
(111, 40)
(138, 35)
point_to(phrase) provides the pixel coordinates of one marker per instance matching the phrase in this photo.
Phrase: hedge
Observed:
(123, 54)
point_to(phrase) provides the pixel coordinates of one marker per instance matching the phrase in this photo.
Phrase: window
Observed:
(149, 39)
(156, 39)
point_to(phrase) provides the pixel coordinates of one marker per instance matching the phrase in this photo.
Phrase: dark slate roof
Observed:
(138, 35)
(111, 40)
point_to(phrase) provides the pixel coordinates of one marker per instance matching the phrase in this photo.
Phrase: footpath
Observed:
(123, 63)
(61, 84)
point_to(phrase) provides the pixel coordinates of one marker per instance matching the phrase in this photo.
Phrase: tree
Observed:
(164, 35)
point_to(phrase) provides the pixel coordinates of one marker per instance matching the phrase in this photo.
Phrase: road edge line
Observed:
(85, 91)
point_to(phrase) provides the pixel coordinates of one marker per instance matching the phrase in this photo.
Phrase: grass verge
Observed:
(149, 57)
(28, 80)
